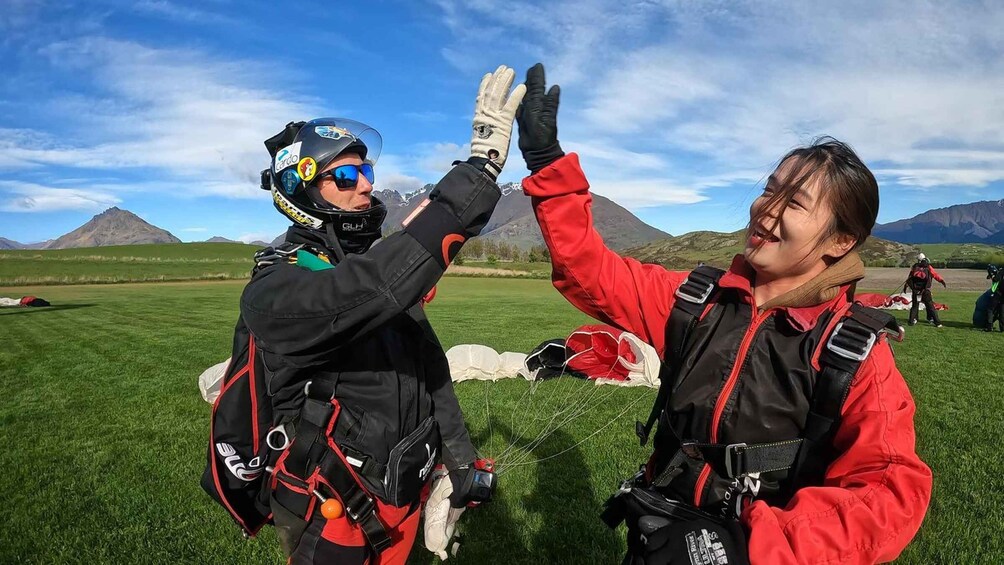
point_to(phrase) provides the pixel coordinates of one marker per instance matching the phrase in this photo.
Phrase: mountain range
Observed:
(513, 220)
(114, 226)
(976, 222)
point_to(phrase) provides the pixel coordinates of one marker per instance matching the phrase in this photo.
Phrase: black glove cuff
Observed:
(486, 166)
(471, 485)
(537, 159)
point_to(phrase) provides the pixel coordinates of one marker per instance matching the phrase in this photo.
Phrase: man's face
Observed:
(353, 198)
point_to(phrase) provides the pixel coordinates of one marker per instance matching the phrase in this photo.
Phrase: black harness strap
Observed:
(359, 505)
(847, 346)
(691, 298)
(306, 451)
(740, 459)
(310, 451)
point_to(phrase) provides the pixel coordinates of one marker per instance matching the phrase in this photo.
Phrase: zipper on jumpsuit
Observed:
(726, 392)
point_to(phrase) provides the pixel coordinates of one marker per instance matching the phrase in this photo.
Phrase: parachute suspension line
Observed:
(527, 399)
(526, 451)
(569, 411)
(488, 418)
(524, 403)
(558, 416)
(525, 418)
(580, 442)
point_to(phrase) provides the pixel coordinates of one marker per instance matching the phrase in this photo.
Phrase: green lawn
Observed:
(104, 431)
(126, 263)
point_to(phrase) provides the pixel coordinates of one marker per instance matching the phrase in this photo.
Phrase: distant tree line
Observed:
(492, 251)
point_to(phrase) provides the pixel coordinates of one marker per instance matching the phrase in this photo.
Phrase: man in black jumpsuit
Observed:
(996, 310)
(331, 308)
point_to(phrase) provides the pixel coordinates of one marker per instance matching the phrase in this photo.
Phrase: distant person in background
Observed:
(919, 282)
(996, 309)
(744, 468)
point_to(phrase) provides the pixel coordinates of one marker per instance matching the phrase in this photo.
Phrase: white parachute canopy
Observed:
(211, 381)
(482, 363)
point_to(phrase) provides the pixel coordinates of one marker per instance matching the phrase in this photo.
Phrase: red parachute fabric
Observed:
(873, 300)
(597, 350)
(895, 301)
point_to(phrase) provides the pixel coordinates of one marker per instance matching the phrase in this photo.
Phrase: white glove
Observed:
(440, 518)
(494, 112)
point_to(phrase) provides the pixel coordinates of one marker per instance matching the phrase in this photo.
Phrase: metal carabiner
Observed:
(285, 438)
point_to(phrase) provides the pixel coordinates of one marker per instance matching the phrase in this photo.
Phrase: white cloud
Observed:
(401, 183)
(390, 174)
(708, 90)
(929, 178)
(197, 121)
(186, 14)
(437, 158)
(28, 197)
(642, 193)
(195, 230)
(611, 153)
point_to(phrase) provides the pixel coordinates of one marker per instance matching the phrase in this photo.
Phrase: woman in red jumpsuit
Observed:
(748, 370)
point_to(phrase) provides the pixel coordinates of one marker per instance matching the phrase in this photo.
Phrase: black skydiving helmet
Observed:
(293, 175)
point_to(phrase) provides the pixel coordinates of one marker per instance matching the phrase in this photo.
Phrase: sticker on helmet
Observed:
(307, 168)
(289, 181)
(287, 156)
(332, 132)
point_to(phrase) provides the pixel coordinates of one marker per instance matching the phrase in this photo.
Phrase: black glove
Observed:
(944, 284)
(695, 542)
(471, 484)
(537, 117)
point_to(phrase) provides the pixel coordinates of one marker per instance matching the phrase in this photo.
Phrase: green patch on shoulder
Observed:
(308, 260)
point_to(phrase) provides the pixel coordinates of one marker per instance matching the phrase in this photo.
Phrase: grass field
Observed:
(104, 433)
(126, 263)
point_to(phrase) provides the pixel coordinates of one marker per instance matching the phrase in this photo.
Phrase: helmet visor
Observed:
(337, 128)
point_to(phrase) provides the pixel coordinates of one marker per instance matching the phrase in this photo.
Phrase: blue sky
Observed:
(677, 108)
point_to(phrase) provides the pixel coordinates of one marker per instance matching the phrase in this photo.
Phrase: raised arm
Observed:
(621, 292)
(616, 290)
(365, 290)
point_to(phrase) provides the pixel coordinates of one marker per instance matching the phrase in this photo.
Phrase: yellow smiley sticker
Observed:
(307, 168)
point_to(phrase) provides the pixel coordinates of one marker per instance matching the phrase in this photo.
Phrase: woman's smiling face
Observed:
(790, 237)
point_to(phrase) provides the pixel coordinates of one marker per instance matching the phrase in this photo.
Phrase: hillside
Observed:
(113, 227)
(976, 222)
(718, 249)
(10, 244)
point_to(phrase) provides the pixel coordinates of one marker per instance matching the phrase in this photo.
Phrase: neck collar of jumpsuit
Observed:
(317, 239)
(802, 306)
